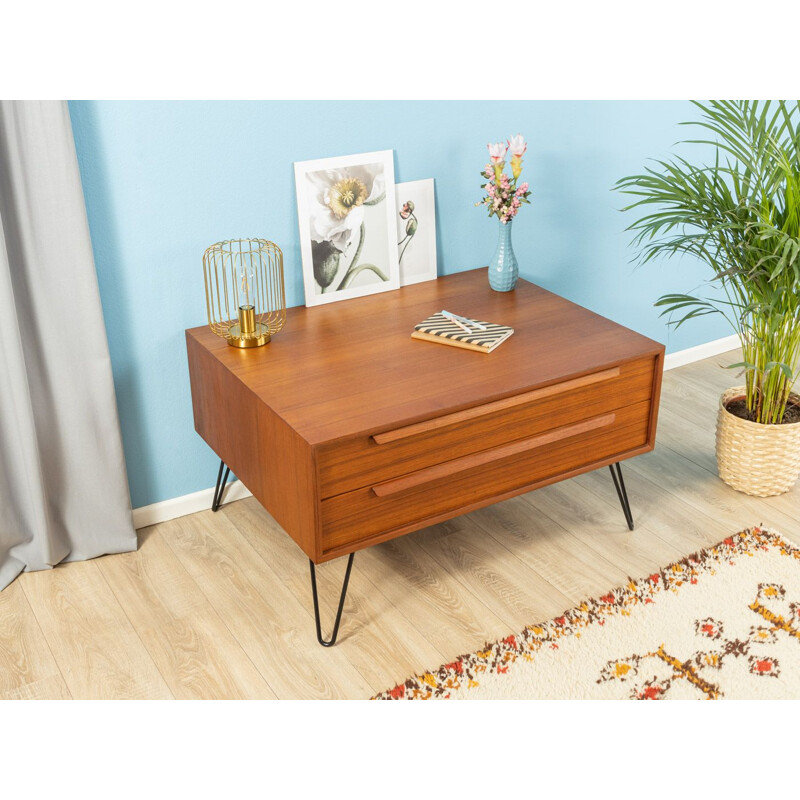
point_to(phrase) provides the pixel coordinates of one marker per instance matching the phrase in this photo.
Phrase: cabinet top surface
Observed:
(352, 367)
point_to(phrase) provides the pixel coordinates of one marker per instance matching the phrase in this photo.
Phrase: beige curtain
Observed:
(63, 488)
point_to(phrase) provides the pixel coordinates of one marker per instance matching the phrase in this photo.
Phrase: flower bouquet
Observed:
(504, 198)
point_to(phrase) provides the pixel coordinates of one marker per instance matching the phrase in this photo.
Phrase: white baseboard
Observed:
(691, 354)
(200, 501)
(187, 504)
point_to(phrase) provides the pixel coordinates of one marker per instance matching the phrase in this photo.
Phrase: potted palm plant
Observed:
(740, 215)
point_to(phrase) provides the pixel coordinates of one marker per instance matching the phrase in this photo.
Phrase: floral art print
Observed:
(416, 231)
(346, 210)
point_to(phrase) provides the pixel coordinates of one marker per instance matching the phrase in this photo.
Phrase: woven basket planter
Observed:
(757, 459)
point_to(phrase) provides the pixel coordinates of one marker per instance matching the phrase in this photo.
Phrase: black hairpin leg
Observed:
(619, 485)
(332, 640)
(221, 484)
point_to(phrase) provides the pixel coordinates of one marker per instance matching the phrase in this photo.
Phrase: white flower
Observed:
(517, 145)
(497, 152)
(337, 201)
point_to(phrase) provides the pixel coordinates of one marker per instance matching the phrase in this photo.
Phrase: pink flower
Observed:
(517, 145)
(522, 189)
(497, 152)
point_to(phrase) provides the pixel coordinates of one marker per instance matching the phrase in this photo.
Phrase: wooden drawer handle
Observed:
(488, 456)
(493, 408)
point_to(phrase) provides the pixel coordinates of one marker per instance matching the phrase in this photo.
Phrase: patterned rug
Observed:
(722, 623)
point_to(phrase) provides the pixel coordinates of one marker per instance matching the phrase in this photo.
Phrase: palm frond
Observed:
(740, 215)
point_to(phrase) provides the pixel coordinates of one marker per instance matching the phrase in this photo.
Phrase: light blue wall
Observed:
(163, 180)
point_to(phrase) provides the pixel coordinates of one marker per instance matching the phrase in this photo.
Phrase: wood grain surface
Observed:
(345, 368)
(261, 449)
(188, 640)
(98, 652)
(368, 658)
(497, 407)
(26, 663)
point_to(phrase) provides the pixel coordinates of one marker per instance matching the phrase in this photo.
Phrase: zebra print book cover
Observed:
(441, 330)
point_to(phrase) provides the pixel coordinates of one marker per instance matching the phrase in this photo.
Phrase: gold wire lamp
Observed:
(246, 276)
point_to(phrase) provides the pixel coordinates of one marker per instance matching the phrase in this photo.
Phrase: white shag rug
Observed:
(723, 623)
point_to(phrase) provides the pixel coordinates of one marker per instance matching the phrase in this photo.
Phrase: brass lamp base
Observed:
(259, 336)
(248, 333)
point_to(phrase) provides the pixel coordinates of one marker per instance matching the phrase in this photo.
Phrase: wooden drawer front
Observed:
(365, 460)
(385, 506)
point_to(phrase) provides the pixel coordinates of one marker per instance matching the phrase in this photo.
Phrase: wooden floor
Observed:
(219, 605)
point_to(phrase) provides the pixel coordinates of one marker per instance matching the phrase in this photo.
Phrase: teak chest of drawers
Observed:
(349, 432)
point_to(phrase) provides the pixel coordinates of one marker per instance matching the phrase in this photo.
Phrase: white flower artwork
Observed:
(346, 210)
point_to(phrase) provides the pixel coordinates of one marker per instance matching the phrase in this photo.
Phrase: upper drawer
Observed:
(364, 460)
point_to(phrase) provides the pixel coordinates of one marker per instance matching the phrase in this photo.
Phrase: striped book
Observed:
(443, 331)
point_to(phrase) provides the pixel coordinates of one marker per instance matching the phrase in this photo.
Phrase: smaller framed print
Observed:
(346, 212)
(416, 231)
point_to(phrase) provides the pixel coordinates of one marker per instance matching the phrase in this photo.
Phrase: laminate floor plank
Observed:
(98, 652)
(678, 523)
(270, 624)
(378, 639)
(549, 550)
(601, 527)
(703, 490)
(50, 688)
(27, 666)
(453, 619)
(513, 591)
(711, 373)
(189, 643)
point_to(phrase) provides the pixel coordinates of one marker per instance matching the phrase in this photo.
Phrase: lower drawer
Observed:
(480, 477)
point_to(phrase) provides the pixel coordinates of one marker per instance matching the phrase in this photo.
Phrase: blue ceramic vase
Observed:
(503, 268)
